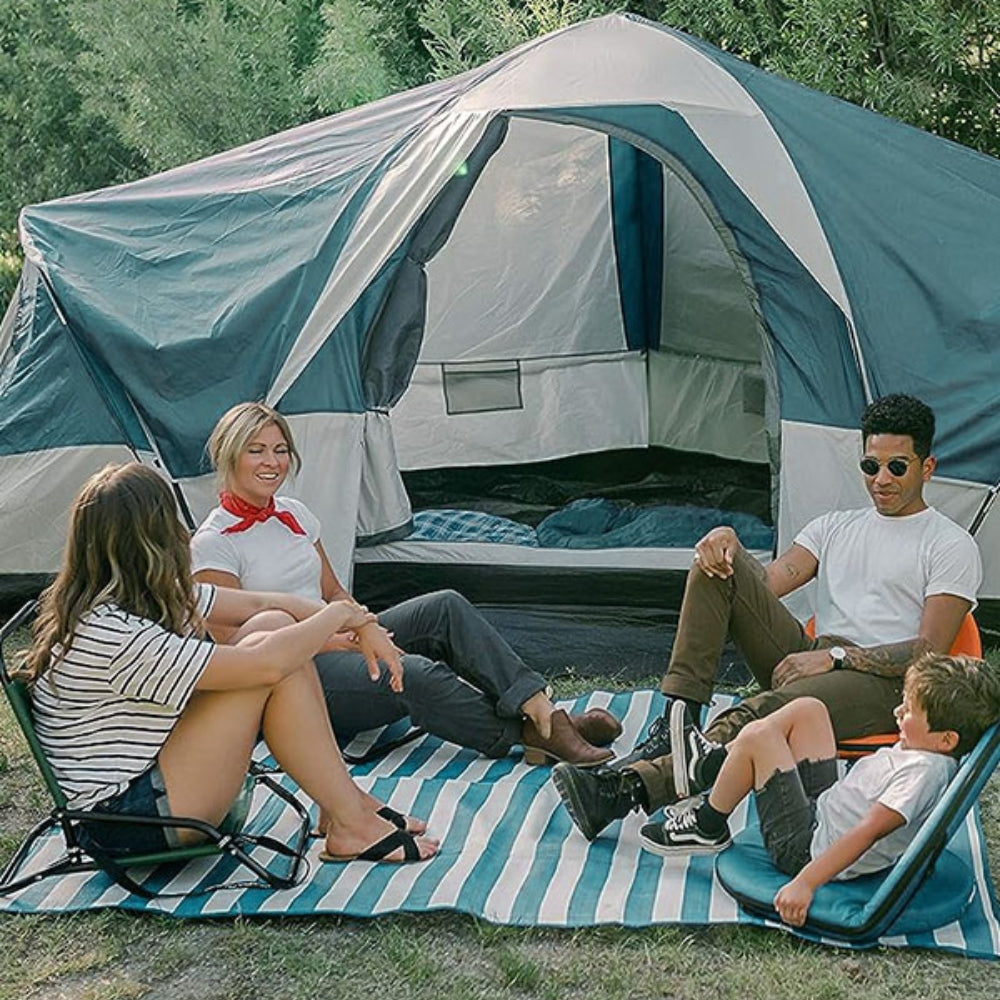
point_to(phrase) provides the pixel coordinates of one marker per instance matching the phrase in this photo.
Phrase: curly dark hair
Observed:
(899, 414)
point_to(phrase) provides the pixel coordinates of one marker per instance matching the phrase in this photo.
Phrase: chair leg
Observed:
(74, 859)
(119, 875)
(238, 846)
(68, 864)
(295, 851)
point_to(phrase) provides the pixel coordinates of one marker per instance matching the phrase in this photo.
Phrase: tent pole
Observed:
(984, 509)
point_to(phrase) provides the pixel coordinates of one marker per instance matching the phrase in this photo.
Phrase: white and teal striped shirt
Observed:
(103, 712)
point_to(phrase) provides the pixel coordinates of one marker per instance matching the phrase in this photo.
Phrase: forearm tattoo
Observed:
(890, 660)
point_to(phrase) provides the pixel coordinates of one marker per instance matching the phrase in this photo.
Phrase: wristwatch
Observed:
(839, 656)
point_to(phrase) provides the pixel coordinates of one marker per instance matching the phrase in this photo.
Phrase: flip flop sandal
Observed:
(395, 817)
(380, 850)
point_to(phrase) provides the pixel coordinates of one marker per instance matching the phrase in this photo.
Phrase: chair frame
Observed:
(967, 641)
(228, 838)
(907, 874)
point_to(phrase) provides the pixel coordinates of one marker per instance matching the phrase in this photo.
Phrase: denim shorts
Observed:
(786, 805)
(144, 796)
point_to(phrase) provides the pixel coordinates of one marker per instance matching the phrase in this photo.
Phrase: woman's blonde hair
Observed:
(236, 429)
(126, 546)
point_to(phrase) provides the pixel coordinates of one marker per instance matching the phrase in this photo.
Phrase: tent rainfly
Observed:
(615, 236)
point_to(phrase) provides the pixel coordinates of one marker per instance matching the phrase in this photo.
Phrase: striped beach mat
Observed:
(509, 854)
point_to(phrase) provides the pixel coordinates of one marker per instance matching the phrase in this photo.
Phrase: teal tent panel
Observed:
(637, 217)
(817, 372)
(912, 220)
(342, 351)
(49, 398)
(196, 318)
(191, 287)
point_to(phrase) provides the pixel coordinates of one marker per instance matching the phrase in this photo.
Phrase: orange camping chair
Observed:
(968, 642)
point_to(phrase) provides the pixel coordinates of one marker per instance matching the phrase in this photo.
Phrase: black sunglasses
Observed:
(897, 466)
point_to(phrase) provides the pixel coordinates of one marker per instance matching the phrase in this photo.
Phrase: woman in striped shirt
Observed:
(140, 712)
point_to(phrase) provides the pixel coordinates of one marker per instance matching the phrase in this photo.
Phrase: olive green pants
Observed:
(765, 632)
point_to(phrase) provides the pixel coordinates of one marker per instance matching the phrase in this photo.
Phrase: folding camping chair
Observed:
(229, 838)
(967, 642)
(928, 887)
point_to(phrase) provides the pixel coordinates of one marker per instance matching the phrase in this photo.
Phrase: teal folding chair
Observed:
(228, 838)
(928, 887)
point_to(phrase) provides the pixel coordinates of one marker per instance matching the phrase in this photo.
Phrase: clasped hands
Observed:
(374, 643)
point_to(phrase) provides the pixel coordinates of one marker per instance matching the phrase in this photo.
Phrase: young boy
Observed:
(816, 827)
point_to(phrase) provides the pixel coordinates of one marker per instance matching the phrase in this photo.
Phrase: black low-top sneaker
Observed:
(597, 796)
(679, 833)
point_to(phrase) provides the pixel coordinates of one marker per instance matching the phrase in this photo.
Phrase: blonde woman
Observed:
(140, 714)
(462, 681)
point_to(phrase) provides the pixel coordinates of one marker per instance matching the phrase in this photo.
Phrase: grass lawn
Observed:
(113, 956)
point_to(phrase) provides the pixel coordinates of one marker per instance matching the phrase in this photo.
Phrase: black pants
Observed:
(461, 680)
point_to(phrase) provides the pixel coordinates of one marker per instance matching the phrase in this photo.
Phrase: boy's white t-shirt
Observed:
(266, 556)
(875, 572)
(910, 782)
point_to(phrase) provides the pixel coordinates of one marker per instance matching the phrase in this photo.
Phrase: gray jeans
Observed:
(461, 680)
(765, 631)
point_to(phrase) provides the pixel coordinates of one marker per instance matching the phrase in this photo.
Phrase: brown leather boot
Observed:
(597, 726)
(565, 744)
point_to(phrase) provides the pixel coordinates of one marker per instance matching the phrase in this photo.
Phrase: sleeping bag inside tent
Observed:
(535, 327)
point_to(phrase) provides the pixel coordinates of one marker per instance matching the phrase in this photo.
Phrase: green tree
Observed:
(462, 34)
(355, 62)
(181, 80)
(932, 63)
(49, 144)
(93, 92)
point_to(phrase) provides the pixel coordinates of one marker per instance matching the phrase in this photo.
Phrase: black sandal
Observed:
(396, 818)
(381, 849)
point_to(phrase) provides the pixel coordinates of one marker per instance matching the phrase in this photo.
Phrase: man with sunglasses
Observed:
(894, 580)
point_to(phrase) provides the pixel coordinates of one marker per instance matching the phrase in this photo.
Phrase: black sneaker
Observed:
(691, 747)
(595, 797)
(679, 833)
(656, 744)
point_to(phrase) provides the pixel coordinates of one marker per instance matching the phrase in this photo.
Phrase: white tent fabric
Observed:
(492, 232)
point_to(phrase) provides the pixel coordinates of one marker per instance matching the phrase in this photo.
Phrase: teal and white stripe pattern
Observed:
(509, 854)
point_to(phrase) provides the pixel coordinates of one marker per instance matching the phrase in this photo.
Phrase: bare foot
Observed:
(412, 824)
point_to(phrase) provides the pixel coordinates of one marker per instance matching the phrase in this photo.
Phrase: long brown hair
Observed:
(126, 546)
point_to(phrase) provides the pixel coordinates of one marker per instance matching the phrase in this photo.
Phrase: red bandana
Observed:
(250, 515)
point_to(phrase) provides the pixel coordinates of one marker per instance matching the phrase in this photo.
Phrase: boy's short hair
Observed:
(899, 414)
(959, 693)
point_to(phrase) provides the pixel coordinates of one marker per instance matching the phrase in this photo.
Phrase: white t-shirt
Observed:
(910, 782)
(875, 572)
(267, 556)
(104, 711)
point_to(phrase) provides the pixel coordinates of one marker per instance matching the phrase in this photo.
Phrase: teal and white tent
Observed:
(611, 237)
